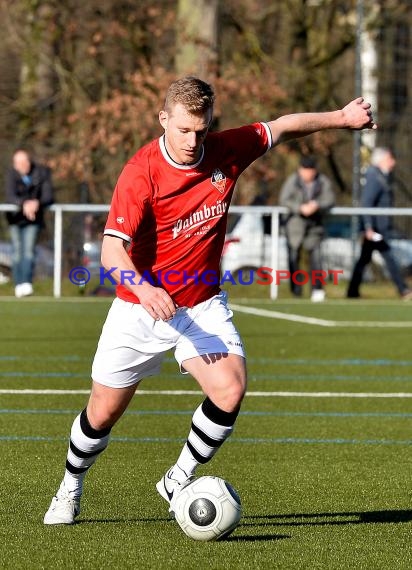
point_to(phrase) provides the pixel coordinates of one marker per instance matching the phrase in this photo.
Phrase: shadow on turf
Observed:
(123, 520)
(235, 538)
(352, 517)
(314, 519)
(282, 520)
(255, 537)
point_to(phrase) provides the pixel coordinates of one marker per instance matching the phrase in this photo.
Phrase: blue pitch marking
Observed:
(252, 377)
(241, 440)
(43, 375)
(327, 378)
(339, 362)
(254, 360)
(398, 415)
(65, 358)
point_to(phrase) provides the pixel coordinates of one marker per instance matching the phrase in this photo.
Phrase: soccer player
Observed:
(162, 243)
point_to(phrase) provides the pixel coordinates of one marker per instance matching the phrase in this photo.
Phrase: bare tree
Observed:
(197, 38)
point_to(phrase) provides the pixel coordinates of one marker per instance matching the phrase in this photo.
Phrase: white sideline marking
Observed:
(199, 393)
(320, 322)
(284, 316)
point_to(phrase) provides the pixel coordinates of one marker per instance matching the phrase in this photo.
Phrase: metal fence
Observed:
(72, 228)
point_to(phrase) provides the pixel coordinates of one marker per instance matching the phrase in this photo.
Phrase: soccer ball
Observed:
(209, 508)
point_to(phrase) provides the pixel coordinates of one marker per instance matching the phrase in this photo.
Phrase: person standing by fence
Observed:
(28, 186)
(378, 193)
(308, 195)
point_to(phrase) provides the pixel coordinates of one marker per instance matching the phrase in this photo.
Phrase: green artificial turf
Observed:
(325, 482)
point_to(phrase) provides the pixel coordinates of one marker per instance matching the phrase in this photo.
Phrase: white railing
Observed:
(275, 211)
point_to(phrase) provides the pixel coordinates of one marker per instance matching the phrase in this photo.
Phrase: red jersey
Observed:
(174, 215)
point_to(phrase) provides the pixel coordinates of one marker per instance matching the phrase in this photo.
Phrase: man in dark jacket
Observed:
(378, 193)
(28, 186)
(308, 195)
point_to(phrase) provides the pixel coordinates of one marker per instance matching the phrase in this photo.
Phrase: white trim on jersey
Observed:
(269, 134)
(116, 233)
(170, 160)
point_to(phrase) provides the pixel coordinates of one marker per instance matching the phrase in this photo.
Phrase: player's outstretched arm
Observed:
(356, 115)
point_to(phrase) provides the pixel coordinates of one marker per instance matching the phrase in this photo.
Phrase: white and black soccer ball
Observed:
(209, 508)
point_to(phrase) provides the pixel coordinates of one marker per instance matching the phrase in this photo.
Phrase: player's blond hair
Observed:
(195, 95)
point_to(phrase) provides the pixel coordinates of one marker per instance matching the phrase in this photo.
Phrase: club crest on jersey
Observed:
(218, 180)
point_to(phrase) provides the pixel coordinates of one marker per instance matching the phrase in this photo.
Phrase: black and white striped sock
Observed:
(86, 444)
(211, 426)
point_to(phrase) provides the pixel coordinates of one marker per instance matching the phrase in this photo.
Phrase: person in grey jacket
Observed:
(378, 193)
(308, 195)
(28, 186)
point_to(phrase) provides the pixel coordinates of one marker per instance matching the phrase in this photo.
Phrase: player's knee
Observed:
(232, 396)
(101, 417)
(238, 396)
(99, 422)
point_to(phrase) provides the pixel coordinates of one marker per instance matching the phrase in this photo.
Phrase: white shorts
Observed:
(132, 344)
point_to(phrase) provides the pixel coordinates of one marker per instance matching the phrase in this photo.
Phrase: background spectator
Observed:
(29, 186)
(308, 195)
(378, 193)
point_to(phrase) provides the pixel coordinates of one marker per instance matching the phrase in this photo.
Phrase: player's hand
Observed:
(358, 115)
(157, 302)
(30, 209)
(369, 234)
(309, 208)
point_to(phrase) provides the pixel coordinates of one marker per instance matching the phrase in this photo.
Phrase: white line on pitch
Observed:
(284, 316)
(320, 322)
(255, 393)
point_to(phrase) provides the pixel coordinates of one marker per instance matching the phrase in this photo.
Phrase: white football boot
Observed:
(64, 508)
(168, 487)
